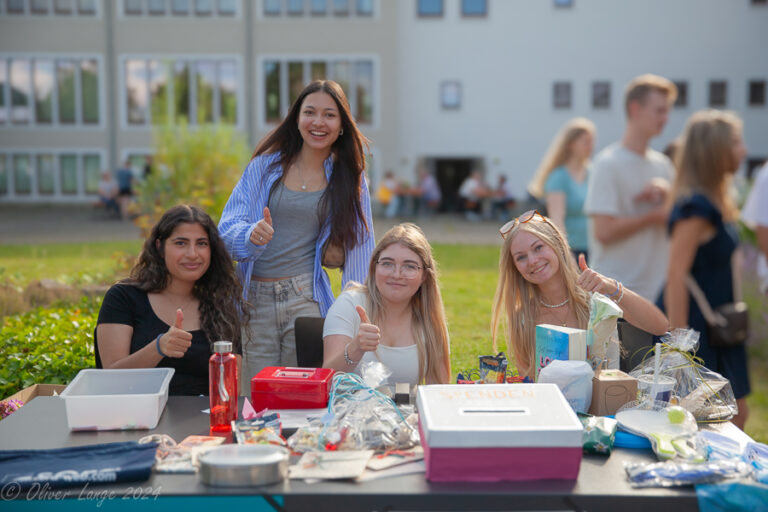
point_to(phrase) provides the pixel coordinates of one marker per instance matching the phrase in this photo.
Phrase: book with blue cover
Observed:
(556, 342)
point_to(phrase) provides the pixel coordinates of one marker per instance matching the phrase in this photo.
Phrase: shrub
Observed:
(197, 166)
(47, 345)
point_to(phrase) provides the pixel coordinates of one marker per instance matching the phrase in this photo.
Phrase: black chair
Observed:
(309, 341)
(635, 343)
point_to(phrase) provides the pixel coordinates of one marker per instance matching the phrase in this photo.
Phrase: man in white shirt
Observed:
(756, 215)
(627, 191)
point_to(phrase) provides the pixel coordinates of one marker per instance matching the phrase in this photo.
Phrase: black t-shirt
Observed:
(127, 305)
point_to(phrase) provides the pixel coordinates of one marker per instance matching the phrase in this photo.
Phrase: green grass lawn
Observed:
(468, 279)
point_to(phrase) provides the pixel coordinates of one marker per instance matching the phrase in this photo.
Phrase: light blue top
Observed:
(245, 208)
(560, 180)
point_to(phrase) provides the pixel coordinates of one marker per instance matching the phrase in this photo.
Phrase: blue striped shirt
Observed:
(245, 208)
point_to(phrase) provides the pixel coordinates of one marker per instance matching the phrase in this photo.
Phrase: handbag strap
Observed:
(713, 317)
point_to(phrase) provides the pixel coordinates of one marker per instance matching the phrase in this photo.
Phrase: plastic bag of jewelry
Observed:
(603, 347)
(705, 393)
(359, 418)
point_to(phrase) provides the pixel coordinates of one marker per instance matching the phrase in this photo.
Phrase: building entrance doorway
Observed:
(450, 174)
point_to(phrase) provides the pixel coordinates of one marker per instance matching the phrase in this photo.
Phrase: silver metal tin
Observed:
(236, 465)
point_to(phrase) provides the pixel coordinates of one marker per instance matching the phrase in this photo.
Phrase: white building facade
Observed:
(449, 85)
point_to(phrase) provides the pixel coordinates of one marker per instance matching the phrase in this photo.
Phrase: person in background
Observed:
(627, 191)
(181, 297)
(473, 192)
(108, 193)
(704, 237)
(561, 181)
(755, 214)
(388, 194)
(428, 194)
(148, 166)
(124, 176)
(396, 317)
(540, 283)
(503, 199)
(301, 204)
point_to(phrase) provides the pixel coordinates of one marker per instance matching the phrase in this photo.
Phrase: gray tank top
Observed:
(297, 226)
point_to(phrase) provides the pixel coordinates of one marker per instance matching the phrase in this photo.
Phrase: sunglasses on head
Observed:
(520, 219)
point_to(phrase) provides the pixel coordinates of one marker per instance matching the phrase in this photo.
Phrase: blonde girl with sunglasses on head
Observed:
(396, 317)
(539, 283)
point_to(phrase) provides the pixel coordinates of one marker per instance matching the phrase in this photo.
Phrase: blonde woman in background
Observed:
(539, 283)
(561, 180)
(704, 237)
(396, 317)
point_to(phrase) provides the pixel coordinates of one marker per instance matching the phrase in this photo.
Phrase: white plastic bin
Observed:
(131, 399)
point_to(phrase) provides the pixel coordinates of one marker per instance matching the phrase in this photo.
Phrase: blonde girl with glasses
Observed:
(539, 283)
(396, 317)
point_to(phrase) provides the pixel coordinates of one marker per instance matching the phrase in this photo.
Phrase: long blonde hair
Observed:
(518, 300)
(428, 322)
(705, 162)
(559, 152)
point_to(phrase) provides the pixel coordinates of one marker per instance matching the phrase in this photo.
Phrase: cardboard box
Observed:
(27, 394)
(610, 390)
(497, 432)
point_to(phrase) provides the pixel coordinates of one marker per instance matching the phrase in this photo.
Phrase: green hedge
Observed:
(47, 345)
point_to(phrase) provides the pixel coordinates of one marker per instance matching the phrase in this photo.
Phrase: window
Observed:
(757, 93)
(429, 8)
(272, 7)
(563, 3)
(156, 7)
(450, 95)
(91, 173)
(132, 7)
(474, 8)
(89, 90)
(14, 6)
(86, 6)
(20, 91)
(43, 78)
(180, 7)
(295, 7)
(601, 94)
(68, 174)
(318, 7)
(285, 79)
(22, 175)
(364, 7)
(718, 90)
(341, 7)
(226, 7)
(63, 6)
(561, 95)
(3, 86)
(45, 175)
(3, 176)
(195, 91)
(40, 6)
(682, 94)
(65, 79)
(203, 7)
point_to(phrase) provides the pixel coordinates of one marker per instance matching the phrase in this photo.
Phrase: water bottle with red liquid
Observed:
(222, 380)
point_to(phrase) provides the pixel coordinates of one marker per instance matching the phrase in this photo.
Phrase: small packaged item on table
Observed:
(280, 387)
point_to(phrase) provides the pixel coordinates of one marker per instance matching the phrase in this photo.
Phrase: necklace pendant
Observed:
(303, 187)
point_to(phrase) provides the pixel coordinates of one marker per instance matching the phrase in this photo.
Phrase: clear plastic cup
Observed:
(664, 387)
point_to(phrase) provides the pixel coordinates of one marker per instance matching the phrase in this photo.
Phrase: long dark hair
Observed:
(218, 290)
(341, 199)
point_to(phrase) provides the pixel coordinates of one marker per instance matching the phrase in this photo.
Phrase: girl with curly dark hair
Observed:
(302, 204)
(181, 296)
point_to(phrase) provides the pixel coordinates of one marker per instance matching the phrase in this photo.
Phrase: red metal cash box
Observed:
(280, 387)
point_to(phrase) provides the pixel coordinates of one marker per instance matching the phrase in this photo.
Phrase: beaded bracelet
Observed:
(157, 345)
(621, 295)
(349, 361)
(617, 289)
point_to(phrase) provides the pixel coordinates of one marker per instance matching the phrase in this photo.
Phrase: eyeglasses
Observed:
(520, 219)
(407, 270)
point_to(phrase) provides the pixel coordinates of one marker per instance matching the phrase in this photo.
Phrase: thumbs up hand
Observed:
(176, 341)
(592, 281)
(368, 335)
(263, 232)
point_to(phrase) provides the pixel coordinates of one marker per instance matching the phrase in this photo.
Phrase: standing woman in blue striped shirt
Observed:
(301, 204)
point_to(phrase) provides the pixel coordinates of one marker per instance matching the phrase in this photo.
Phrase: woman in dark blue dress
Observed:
(704, 238)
